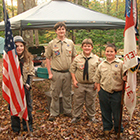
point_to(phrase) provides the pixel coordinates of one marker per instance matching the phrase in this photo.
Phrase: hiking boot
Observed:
(75, 120)
(119, 136)
(15, 134)
(106, 132)
(51, 118)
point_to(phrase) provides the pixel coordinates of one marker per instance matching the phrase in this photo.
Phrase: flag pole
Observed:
(121, 110)
(27, 124)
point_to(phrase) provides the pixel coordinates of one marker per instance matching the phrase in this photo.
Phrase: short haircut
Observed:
(59, 24)
(87, 41)
(112, 45)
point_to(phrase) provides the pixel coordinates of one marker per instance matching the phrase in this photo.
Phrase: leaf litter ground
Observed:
(61, 128)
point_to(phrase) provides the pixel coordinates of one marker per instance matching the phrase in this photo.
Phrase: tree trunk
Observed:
(28, 34)
(139, 22)
(108, 6)
(36, 31)
(1, 11)
(117, 4)
(86, 3)
(20, 6)
(36, 38)
(12, 8)
(78, 2)
(20, 9)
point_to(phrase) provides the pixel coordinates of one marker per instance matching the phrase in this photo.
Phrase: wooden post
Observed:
(121, 110)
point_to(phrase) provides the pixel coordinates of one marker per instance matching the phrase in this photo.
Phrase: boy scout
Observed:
(109, 76)
(61, 51)
(82, 71)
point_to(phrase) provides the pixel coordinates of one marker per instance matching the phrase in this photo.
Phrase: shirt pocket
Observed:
(68, 51)
(56, 52)
(93, 68)
(104, 72)
(116, 73)
(80, 66)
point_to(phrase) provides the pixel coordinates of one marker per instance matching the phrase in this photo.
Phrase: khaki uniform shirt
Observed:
(109, 75)
(61, 53)
(77, 67)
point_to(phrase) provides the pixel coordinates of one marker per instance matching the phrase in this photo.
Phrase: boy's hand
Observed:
(27, 86)
(95, 86)
(50, 76)
(75, 83)
(125, 78)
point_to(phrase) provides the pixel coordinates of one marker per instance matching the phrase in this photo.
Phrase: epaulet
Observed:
(118, 60)
(69, 40)
(51, 41)
(96, 55)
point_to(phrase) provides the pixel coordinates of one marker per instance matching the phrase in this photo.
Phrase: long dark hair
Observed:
(27, 55)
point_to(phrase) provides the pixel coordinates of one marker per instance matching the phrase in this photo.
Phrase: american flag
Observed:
(12, 84)
(130, 58)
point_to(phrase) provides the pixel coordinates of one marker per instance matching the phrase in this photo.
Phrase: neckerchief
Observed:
(85, 72)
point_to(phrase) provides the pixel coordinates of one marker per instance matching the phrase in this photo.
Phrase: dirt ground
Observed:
(61, 128)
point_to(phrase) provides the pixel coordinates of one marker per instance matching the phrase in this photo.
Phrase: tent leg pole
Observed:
(21, 32)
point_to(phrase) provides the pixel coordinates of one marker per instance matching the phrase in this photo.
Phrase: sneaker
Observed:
(51, 118)
(93, 120)
(75, 120)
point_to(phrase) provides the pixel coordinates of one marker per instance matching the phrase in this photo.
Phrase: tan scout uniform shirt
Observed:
(61, 53)
(109, 75)
(77, 67)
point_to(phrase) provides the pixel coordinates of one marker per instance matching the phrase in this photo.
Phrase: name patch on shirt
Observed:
(104, 68)
(55, 47)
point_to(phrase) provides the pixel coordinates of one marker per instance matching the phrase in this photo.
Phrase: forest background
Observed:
(115, 8)
(62, 128)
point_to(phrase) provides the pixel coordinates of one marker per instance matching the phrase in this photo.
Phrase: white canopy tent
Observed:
(75, 16)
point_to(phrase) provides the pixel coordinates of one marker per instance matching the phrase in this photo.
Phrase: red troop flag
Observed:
(12, 84)
(130, 55)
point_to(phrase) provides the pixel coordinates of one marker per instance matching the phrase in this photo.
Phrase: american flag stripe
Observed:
(12, 84)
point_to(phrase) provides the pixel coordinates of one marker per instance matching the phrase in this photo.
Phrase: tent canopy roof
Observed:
(45, 16)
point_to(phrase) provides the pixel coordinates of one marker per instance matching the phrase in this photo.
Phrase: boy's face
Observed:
(60, 31)
(87, 48)
(110, 53)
